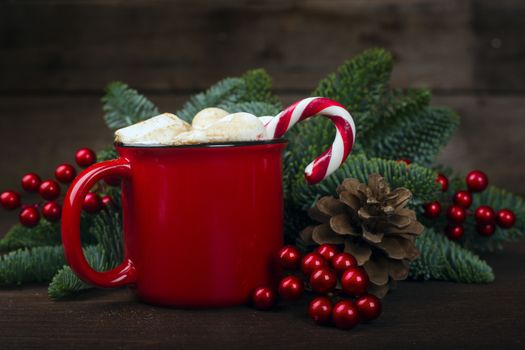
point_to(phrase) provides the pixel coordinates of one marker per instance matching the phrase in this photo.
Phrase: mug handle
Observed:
(121, 275)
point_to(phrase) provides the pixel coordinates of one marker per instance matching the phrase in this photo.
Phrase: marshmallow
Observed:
(161, 129)
(211, 125)
(236, 127)
(207, 116)
(265, 119)
(192, 137)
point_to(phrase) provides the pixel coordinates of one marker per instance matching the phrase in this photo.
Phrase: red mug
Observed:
(201, 223)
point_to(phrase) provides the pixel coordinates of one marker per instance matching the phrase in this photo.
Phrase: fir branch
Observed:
(442, 259)
(31, 265)
(258, 109)
(44, 234)
(361, 84)
(418, 137)
(418, 179)
(258, 88)
(394, 108)
(65, 283)
(254, 86)
(124, 106)
(18, 236)
(107, 228)
(107, 154)
(224, 91)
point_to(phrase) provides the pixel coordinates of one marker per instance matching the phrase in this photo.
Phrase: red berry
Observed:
(49, 190)
(31, 182)
(311, 262)
(505, 218)
(65, 173)
(320, 310)
(85, 157)
(433, 209)
(345, 315)
(52, 211)
(456, 214)
(263, 298)
(369, 307)
(404, 160)
(343, 261)
(477, 181)
(291, 288)
(107, 200)
(10, 200)
(289, 257)
(112, 180)
(354, 281)
(463, 199)
(485, 215)
(443, 181)
(323, 280)
(454, 232)
(29, 217)
(486, 229)
(327, 251)
(92, 202)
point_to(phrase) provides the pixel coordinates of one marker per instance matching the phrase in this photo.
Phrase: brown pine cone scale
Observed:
(374, 225)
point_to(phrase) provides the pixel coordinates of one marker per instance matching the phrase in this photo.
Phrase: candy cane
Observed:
(336, 154)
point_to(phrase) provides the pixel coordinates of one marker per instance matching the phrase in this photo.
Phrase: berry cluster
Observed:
(50, 190)
(330, 274)
(486, 217)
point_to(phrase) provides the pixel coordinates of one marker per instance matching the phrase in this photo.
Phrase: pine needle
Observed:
(442, 259)
(124, 106)
(30, 265)
(65, 283)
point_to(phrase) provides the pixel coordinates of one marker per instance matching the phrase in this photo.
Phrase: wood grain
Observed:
(186, 45)
(416, 315)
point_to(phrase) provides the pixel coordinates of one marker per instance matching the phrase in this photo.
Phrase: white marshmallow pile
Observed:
(211, 125)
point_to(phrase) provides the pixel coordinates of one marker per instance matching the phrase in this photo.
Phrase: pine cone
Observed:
(373, 224)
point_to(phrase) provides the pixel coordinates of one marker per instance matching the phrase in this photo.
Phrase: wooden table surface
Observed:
(416, 315)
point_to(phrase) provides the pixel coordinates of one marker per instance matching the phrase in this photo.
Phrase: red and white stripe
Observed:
(336, 154)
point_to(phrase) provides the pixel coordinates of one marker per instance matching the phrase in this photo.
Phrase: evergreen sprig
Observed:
(254, 86)
(361, 84)
(107, 154)
(108, 231)
(18, 236)
(256, 108)
(124, 106)
(224, 91)
(423, 133)
(26, 265)
(442, 259)
(65, 283)
(419, 180)
(44, 233)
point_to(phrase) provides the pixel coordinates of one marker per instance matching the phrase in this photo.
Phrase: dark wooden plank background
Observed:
(56, 57)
